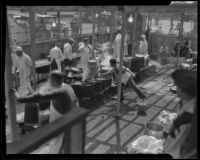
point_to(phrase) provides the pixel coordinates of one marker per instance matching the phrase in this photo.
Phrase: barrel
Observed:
(31, 113)
(93, 67)
(136, 64)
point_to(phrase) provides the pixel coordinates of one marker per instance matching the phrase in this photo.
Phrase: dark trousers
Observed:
(68, 62)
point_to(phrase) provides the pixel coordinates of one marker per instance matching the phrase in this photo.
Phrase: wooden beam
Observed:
(180, 39)
(81, 29)
(32, 37)
(10, 100)
(149, 27)
(58, 16)
(121, 63)
(134, 33)
(111, 27)
(33, 140)
(93, 34)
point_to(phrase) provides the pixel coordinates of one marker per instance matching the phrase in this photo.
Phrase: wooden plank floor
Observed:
(101, 126)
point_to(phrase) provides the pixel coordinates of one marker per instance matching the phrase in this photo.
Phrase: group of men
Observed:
(143, 46)
(63, 98)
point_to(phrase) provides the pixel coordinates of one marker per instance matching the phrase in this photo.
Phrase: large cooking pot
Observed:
(108, 81)
(103, 82)
(88, 89)
(77, 87)
(154, 129)
(98, 86)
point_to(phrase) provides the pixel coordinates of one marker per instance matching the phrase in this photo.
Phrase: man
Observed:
(63, 100)
(56, 53)
(24, 66)
(68, 52)
(84, 51)
(89, 46)
(164, 53)
(186, 85)
(127, 77)
(117, 45)
(143, 49)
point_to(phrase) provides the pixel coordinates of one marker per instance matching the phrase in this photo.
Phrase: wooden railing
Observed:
(72, 123)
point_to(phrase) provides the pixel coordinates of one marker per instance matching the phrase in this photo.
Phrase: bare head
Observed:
(56, 78)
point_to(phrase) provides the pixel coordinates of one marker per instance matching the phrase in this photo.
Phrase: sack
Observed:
(146, 144)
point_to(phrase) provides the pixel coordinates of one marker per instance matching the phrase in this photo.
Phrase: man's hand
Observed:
(172, 131)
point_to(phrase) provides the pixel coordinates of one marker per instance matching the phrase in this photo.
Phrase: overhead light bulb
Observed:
(53, 24)
(130, 19)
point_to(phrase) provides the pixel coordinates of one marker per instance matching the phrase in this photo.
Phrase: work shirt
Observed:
(56, 53)
(143, 47)
(67, 51)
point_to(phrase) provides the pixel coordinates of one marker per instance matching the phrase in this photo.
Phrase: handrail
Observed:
(33, 140)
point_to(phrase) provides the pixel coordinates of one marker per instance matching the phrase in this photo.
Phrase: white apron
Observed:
(57, 54)
(24, 76)
(84, 61)
(56, 143)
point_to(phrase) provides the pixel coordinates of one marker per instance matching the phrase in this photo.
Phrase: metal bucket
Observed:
(154, 129)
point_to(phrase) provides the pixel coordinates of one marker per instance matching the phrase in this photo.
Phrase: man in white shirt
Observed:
(84, 51)
(24, 65)
(68, 52)
(143, 49)
(56, 53)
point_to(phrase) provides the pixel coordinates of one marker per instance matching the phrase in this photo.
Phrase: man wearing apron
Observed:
(68, 52)
(63, 100)
(24, 65)
(84, 51)
(56, 53)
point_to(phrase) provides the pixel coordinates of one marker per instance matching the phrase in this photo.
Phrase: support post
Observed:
(93, 34)
(121, 62)
(58, 16)
(180, 39)
(149, 27)
(111, 27)
(134, 32)
(32, 37)
(81, 24)
(10, 100)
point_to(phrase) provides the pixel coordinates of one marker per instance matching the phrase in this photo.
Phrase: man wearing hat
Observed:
(143, 49)
(85, 56)
(24, 66)
(68, 52)
(56, 53)
(186, 86)
(63, 100)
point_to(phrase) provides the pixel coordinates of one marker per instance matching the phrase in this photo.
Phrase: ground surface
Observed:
(101, 125)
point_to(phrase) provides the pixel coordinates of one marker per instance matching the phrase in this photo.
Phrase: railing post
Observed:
(10, 101)
(74, 139)
(32, 36)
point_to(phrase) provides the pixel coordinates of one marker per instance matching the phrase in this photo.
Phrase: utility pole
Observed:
(32, 37)
(134, 32)
(10, 100)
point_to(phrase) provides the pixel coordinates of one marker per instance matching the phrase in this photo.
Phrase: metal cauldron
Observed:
(154, 129)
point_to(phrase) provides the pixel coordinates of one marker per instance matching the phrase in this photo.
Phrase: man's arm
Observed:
(39, 97)
(128, 70)
(107, 73)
